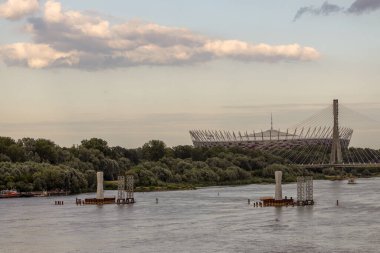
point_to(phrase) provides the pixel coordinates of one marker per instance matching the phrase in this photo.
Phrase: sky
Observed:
(131, 71)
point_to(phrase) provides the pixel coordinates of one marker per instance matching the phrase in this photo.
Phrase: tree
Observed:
(154, 150)
(118, 152)
(110, 168)
(218, 162)
(183, 152)
(4, 158)
(182, 166)
(96, 143)
(134, 155)
(16, 153)
(29, 145)
(143, 176)
(91, 179)
(46, 150)
(198, 154)
(5, 142)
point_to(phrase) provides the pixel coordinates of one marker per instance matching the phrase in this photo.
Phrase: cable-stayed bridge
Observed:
(322, 140)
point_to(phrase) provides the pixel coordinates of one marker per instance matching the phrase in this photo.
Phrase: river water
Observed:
(198, 221)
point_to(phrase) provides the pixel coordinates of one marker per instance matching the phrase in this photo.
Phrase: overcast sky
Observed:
(130, 71)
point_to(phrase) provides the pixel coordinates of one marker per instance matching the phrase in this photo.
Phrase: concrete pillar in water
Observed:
(99, 188)
(278, 192)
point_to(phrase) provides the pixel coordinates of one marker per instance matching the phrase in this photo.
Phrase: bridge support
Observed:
(305, 191)
(120, 189)
(130, 189)
(278, 191)
(99, 186)
(336, 150)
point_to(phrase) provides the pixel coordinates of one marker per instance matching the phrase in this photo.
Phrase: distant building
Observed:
(270, 139)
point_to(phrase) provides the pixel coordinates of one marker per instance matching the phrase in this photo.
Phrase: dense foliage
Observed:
(39, 164)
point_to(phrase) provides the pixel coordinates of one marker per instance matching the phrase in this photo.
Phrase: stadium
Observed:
(272, 139)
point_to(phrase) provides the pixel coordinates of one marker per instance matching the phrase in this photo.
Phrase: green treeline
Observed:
(39, 164)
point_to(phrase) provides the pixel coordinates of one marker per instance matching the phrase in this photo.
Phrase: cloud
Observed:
(81, 40)
(36, 55)
(17, 9)
(362, 6)
(246, 51)
(357, 7)
(325, 9)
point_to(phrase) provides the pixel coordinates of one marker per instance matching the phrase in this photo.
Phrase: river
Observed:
(212, 219)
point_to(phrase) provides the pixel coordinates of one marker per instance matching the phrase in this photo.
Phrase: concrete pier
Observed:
(99, 187)
(278, 191)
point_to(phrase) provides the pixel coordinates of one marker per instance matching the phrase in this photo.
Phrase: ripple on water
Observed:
(198, 221)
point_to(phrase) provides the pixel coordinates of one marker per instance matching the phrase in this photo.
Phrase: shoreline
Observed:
(110, 185)
(182, 187)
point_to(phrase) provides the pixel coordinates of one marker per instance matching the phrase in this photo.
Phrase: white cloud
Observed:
(99, 44)
(36, 55)
(85, 24)
(246, 51)
(16, 9)
(53, 11)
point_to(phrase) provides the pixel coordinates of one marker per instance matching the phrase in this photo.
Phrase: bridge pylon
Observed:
(336, 149)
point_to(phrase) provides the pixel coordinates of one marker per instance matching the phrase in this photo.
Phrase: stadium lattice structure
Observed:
(316, 141)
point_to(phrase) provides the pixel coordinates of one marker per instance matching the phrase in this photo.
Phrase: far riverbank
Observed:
(112, 185)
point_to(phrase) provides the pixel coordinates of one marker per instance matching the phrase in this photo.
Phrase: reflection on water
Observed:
(216, 219)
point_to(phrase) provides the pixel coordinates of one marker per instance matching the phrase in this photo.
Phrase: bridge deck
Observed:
(343, 165)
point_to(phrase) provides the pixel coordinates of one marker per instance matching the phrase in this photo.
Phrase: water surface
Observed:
(198, 221)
